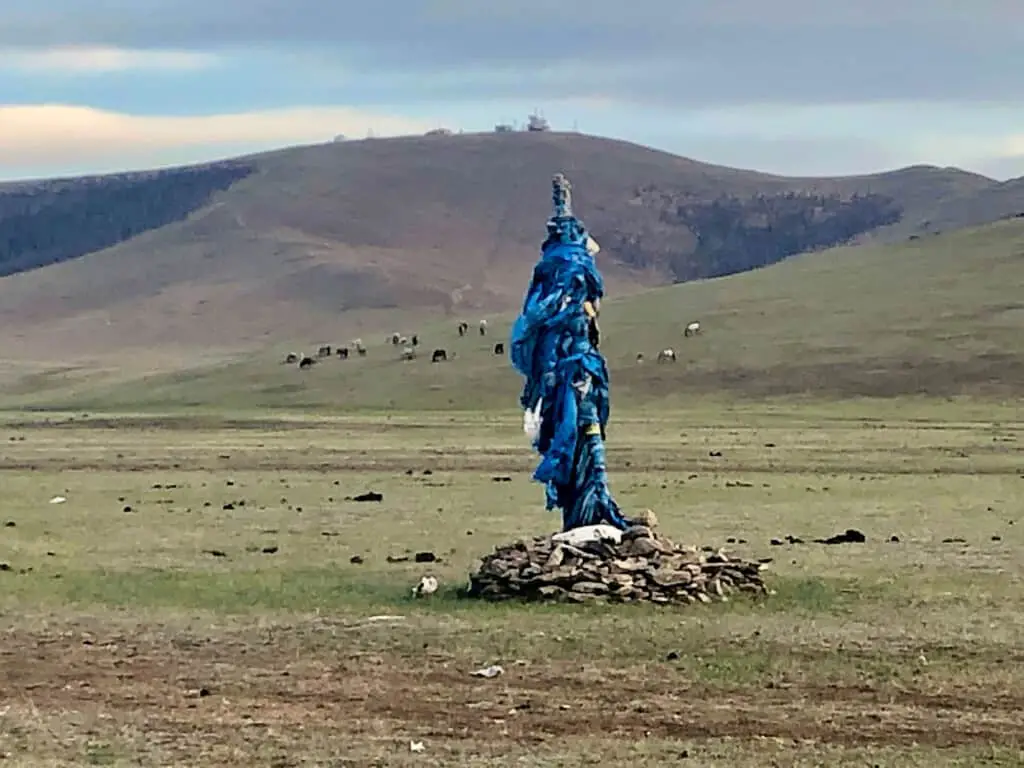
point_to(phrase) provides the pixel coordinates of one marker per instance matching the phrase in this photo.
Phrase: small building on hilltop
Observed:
(536, 123)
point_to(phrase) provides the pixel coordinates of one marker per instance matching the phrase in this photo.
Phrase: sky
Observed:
(798, 87)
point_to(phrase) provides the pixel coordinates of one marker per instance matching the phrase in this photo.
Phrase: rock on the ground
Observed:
(642, 567)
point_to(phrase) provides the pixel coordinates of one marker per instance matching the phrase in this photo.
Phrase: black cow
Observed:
(343, 353)
(499, 348)
(439, 355)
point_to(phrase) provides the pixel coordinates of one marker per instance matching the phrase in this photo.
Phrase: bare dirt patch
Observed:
(217, 686)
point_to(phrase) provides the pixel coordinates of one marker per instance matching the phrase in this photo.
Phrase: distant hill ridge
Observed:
(276, 244)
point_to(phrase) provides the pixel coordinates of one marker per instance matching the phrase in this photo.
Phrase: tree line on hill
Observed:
(671, 230)
(731, 234)
(49, 222)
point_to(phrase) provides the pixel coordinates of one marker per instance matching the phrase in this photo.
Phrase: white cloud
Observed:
(49, 138)
(1012, 146)
(91, 60)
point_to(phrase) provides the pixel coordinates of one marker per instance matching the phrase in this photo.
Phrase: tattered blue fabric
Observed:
(552, 347)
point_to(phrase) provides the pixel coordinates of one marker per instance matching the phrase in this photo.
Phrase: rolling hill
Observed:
(940, 316)
(342, 238)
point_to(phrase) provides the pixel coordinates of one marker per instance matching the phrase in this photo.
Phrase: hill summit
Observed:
(278, 245)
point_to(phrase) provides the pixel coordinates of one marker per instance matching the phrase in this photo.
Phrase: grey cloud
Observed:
(650, 51)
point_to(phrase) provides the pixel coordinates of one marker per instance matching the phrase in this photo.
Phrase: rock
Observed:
(585, 566)
(646, 518)
(368, 496)
(426, 586)
(555, 559)
(637, 532)
(850, 536)
(591, 587)
(642, 547)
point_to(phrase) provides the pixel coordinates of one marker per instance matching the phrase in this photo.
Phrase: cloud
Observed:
(665, 52)
(85, 59)
(35, 139)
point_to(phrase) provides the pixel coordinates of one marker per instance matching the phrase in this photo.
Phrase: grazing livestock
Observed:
(361, 351)
(666, 356)
(639, 358)
(343, 353)
(463, 328)
(408, 353)
(291, 359)
(324, 351)
(499, 348)
(396, 338)
(439, 355)
(692, 329)
(403, 341)
(483, 327)
(306, 362)
(415, 340)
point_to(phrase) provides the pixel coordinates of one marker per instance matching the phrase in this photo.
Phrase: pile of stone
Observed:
(603, 564)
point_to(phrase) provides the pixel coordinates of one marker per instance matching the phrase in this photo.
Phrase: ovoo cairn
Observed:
(600, 554)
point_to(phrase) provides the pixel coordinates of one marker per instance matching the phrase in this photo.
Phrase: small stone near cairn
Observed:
(602, 564)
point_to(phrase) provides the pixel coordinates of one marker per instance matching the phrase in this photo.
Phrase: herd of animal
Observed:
(409, 346)
(668, 355)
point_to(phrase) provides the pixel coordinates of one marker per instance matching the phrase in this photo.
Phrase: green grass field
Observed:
(938, 317)
(208, 594)
(193, 601)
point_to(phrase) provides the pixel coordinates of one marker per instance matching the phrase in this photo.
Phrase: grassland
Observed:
(936, 317)
(209, 594)
(194, 600)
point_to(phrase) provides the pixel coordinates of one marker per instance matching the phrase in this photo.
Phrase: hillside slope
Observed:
(374, 232)
(939, 316)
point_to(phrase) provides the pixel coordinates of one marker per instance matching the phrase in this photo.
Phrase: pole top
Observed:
(561, 196)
